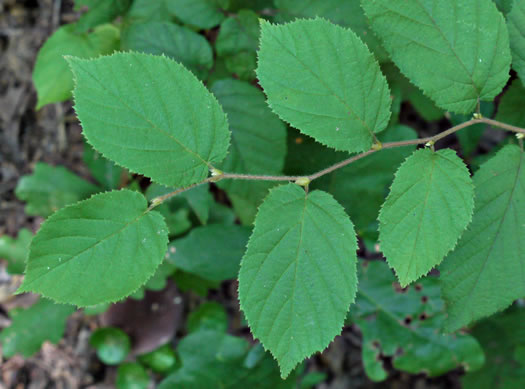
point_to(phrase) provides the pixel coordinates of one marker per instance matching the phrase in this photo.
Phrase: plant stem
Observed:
(428, 140)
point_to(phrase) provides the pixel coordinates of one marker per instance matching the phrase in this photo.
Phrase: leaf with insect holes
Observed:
(429, 206)
(457, 52)
(406, 325)
(95, 251)
(150, 115)
(323, 80)
(298, 276)
(485, 273)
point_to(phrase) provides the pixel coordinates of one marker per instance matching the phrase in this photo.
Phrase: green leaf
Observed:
(467, 40)
(338, 96)
(179, 43)
(33, 326)
(50, 188)
(237, 42)
(112, 345)
(148, 11)
(406, 324)
(429, 206)
(51, 75)
(188, 281)
(199, 13)
(484, 274)
(223, 361)
(100, 12)
(502, 337)
(347, 13)
(298, 276)
(212, 252)
(111, 234)
(16, 250)
(510, 108)
(150, 115)
(516, 25)
(160, 360)
(361, 187)
(258, 144)
(208, 316)
(132, 375)
(104, 171)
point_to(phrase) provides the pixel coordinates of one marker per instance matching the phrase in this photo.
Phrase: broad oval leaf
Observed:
(298, 276)
(516, 24)
(323, 80)
(258, 144)
(457, 52)
(98, 250)
(150, 115)
(429, 205)
(484, 274)
(53, 80)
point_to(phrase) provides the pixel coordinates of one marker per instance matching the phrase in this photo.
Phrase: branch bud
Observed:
(303, 181)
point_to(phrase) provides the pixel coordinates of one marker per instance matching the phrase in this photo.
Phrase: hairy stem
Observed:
(428, 141)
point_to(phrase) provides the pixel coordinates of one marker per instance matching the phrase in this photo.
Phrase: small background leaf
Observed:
(32, 326)
(258, 144)
(51, 75)
(50, 188)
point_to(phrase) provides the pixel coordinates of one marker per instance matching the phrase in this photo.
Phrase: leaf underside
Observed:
(485, 273)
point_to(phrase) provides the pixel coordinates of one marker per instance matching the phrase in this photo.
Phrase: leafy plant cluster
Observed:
(167, 90)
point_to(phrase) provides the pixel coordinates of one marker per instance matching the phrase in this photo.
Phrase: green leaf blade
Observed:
(456, 52)
(30, 327)
(484, 274)
(111, 234)
(429, 206)
(50, 188)
(150, 115)
(338, 96)
(298, 276)
(406, 325)
(51, 75)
